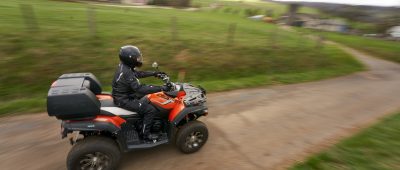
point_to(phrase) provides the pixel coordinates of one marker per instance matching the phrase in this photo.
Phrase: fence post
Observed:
(231, 34)
(274, 37)
(300, 38)
(319, 41)
(174, 30)
(181, 59)
(29, 17)
(91, 16)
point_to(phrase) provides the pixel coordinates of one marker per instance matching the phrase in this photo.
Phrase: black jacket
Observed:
(126, 85)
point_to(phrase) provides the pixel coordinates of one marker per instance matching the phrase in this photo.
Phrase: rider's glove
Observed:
(159, 74)
(166, 88)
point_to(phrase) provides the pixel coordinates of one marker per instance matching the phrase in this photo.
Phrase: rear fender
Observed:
(195, 110)
(110, 124)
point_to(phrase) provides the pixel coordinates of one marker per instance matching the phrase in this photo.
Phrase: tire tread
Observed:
(185, 130)
(93, 143)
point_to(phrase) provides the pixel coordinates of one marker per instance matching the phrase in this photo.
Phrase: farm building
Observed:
(315, 22)
(394, 32)
(334, 25)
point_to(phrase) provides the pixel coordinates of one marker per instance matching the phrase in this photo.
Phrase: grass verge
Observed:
(385, 49)
(377, 147)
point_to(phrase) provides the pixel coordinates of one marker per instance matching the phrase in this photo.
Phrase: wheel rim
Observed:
(194, 140)
(94, 161)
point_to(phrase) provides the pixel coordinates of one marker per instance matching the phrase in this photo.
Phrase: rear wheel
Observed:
(191, 136)
(94, 153)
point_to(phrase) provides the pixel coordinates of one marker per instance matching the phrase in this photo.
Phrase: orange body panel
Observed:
(178, 108)
(181, 94)
(176, 105)
(162, 100)
(104, 97)
(116, 120)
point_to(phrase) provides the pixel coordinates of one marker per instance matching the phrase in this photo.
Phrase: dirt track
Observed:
(263, 128)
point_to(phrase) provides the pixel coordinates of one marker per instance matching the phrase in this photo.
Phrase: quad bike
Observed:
(99, 130)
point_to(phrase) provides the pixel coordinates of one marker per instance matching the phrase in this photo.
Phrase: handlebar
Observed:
(165, 78)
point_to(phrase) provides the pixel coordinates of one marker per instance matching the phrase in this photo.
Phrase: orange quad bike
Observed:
(99, 130)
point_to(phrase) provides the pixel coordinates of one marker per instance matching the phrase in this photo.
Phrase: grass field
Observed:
(377, 147)
(389, 50)
(260, 54)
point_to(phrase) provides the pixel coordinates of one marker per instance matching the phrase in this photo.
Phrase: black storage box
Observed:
(73, 96)
(95, 85)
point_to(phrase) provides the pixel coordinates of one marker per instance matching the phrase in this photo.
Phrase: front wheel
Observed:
(94, 153)
(191, 136)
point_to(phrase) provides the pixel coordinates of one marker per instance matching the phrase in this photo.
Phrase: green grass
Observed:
(261, 54)
(377, 147)
(385, 49)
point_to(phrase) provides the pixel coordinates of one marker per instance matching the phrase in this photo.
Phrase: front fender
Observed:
(197, 110)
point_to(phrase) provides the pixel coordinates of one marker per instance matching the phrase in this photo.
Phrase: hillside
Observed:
(63, 41)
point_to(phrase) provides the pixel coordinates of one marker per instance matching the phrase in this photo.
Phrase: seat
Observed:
(107, 103)
(110, 109)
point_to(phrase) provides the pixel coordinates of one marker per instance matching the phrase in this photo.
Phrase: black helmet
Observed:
(131, 56)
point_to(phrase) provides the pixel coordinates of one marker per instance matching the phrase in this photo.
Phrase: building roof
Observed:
(394, 29)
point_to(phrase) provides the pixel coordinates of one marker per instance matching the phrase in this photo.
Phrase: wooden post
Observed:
(174, 30)
(231, 34)
(181, 60)
(91, 16)
(293, 8)
(274, 37)
(300, 38)
(29, 17)
(319, 41)
(181, 75)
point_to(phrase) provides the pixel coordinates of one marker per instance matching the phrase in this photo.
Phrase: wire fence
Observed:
(273, 35)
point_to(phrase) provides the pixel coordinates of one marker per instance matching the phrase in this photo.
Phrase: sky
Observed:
(357, 2)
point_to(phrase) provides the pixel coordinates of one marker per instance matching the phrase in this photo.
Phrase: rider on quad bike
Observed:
(127, 89)
(101, 126)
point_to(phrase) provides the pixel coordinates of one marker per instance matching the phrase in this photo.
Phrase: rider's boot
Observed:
(147, 135)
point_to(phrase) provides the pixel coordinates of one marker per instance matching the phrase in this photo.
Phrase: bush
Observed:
(269, 12)
(158, 2)
(227, 10)
(175, 3)
(251, 12)
(236, 11)
(181, 3)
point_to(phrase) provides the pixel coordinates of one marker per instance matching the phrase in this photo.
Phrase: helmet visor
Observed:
(139, 61)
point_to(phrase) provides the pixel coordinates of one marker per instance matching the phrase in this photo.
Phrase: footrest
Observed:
(149, 144)
(131, 136)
